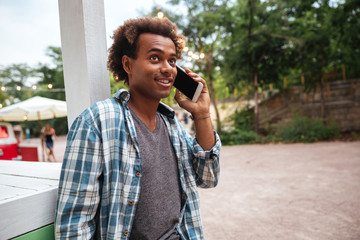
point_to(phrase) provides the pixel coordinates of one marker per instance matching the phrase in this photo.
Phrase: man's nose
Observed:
(166, 67)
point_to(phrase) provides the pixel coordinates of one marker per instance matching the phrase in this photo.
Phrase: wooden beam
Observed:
(83, 41)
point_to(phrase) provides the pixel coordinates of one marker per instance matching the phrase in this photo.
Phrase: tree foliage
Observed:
(52, 74)
(257, 49)
(14, 78)
(25, 76)
(248, 45)
(344, 20)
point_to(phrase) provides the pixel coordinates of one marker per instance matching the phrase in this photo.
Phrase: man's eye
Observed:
(154, 58)
(172, 61)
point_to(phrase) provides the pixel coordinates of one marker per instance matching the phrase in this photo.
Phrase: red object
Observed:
(29, 153)
(9, 148)
(8, 151)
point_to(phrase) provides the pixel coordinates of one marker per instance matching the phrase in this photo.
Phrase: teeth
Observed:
(164, 81)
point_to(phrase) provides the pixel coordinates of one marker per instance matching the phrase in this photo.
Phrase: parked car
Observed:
(9, 145)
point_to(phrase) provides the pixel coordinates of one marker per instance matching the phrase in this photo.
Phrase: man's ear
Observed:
(126, 62)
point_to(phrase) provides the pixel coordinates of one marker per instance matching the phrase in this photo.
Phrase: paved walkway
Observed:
(282, 192)
(285, 192)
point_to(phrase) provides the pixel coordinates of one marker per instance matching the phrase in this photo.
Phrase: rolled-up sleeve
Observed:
(79, 190)
(206, 164)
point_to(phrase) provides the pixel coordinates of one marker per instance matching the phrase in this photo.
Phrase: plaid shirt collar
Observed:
(123, 96)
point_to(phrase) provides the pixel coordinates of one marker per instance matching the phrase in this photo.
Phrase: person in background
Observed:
(48, 138)
(27, 131)
(130, 169)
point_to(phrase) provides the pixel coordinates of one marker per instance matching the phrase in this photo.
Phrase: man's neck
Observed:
(145, 110)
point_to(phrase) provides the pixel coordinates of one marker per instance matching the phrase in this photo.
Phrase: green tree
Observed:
(258, 47)
(15, 78)
(345, 47)
(52, 74)
(312, 24)
(3, 97)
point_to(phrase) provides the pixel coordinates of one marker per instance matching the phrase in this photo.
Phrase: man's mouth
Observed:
(165, 81)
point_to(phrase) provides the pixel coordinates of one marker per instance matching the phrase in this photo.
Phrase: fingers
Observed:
(197, 78)
(178, 97)
(192, 74)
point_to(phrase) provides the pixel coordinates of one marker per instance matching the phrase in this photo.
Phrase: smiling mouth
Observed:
(165, 81)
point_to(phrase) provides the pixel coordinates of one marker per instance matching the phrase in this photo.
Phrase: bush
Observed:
(244, 119)
(238, 137)
(304, 129)
(299, 129)
(242, 128)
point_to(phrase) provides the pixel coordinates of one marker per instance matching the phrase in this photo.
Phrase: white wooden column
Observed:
(83, 41)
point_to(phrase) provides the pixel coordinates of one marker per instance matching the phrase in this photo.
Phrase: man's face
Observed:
(152, 73)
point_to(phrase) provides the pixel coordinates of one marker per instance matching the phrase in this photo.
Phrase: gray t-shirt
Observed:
(159, 205)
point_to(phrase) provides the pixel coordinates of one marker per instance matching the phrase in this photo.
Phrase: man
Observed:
(130, 170)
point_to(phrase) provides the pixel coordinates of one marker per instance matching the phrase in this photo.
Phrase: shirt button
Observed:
(126, 233)
(131, 202)
(138, 174)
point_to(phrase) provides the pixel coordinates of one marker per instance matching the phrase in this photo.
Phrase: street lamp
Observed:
(160, 14)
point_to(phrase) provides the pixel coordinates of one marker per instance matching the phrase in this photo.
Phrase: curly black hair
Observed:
(126, 37)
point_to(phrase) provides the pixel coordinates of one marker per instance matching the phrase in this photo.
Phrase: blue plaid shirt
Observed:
(100, 180)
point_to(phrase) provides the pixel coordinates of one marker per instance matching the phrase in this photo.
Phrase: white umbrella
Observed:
(32, 109)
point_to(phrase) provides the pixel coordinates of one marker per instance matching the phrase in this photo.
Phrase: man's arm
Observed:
(204, 131)
(200, 112)
(206, 148)
(78, 195)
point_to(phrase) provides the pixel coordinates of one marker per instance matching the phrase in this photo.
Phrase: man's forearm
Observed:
(204, 131)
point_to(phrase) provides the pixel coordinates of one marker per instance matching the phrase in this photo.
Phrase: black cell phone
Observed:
(187, 85)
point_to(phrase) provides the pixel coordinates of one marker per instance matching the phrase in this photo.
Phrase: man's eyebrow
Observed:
(159, 50)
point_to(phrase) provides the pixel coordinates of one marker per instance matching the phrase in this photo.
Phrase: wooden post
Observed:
(285, 82)
(41, 138)
(302, 79)
(256, 99)
(343, 72)
(83, 40)
(328, 90)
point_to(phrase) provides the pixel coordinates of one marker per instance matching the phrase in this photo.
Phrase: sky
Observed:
(28, 27)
